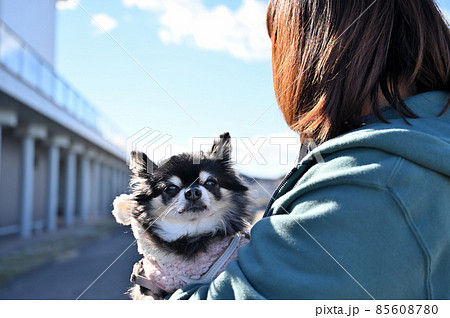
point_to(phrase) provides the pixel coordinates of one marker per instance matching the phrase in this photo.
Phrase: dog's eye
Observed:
(172, 189)
(210, 183)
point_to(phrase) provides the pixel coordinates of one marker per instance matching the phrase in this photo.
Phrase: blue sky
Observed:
(211, 56)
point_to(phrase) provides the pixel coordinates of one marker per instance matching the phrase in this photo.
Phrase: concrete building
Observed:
(61, 161)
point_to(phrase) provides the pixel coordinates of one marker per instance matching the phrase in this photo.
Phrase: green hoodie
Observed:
(363, 216)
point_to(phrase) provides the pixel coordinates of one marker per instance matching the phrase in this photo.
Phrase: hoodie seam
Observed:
(396, 168)
(412, 226)
(419, 239)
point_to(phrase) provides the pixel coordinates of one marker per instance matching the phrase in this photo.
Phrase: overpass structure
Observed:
(61, 161)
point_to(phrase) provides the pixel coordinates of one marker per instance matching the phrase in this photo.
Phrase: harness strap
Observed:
(207, 277)
(140, 280)
(218, 264)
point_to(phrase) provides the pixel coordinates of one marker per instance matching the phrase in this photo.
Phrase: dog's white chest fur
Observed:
(170, 231)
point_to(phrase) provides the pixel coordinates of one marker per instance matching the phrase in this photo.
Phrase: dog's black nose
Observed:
(193, 194)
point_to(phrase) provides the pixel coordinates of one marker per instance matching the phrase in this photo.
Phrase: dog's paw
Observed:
(123, 205)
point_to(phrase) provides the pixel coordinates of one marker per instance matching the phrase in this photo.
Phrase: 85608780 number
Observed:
(406, 309)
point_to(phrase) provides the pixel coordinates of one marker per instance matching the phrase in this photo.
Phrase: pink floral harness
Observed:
(206, 266)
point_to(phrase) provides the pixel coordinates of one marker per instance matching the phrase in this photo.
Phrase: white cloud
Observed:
(66, 5)
(104, 21)
(144, 4)
(241, 33)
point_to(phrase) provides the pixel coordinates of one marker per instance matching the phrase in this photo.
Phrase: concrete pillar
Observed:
(85, 187)
(96, 190)
(71, 183)
(1, 137)
(100, 186)
(70, 187)
(127, 178)
(124, 181)
(54, 145)
(8, 118)
(118, 182)
(29, 134)
(115, 182)
(27, 180)
(106, 188)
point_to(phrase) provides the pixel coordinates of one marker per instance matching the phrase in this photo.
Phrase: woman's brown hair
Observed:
(332, 57)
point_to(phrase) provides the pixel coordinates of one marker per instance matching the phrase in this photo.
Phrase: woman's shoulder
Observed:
(374, 153)
(353, 165)
(380, 156)
(378, 159)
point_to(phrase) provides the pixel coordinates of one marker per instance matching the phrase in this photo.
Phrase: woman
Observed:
(366, 214)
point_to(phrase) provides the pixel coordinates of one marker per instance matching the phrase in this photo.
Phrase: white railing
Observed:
(22, 61)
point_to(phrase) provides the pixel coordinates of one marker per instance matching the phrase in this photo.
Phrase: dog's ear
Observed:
(123, 207)
(141, 164)
(221, 149)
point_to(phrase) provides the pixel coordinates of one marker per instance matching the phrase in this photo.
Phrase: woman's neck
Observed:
(405, 92)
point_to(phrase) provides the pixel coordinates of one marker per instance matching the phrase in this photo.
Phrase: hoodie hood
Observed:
(424, 141)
